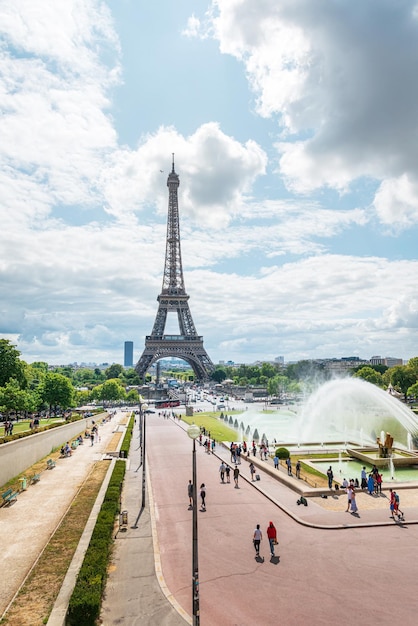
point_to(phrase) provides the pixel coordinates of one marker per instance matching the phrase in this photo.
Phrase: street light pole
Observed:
(193, 431)
(143, 411)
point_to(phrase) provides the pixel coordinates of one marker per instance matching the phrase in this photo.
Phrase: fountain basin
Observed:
(400, 458)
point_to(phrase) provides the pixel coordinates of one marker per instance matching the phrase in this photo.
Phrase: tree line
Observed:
(30, 388)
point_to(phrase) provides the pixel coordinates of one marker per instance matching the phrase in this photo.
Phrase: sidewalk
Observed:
(28, 524)
(136, 592)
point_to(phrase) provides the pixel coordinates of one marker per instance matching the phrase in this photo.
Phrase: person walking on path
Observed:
(236, 476)
(222, 469)
(257, 537)
(272, 537)
(289, 466)
(252, 471)
(203, 496)
(354, 508)
(349, 495)
(298, 469)
(276, 462)
(396, 510)
(330, 475)
(370, 484)
(190, 494)
(228, 472)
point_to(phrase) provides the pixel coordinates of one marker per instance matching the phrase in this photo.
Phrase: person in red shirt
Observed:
(272, 537)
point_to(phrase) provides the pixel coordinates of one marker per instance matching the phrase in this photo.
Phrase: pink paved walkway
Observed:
(364, 574)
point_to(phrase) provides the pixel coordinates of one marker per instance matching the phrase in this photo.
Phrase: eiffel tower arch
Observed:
(187, 345)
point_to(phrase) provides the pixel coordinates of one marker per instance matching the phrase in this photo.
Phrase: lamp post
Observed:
(142, 413)
(194, 431)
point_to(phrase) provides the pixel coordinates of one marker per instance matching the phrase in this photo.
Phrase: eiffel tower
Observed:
(188, 345)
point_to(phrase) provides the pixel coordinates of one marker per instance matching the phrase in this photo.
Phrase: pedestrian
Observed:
(257, 537)
(252, 471)
(190, 494)
(236, 476)
(238, 454)
(349, 495)
(354, 508)
(227, 472)
(379, 480)
(330, 475)
(222, 469)
(298, 469)
(289, 466)
(397, 511)
(276, 462)
(92, 438)
(272, 537)
(370, 484)
(363, 478)
(392, 502)
(203, 496)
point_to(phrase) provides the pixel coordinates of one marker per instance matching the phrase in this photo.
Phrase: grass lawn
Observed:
(217, 428)
(22, 425)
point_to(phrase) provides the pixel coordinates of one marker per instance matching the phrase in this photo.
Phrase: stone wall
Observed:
(16, 456)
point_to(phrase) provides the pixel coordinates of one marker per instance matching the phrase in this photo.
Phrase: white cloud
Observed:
(216, 172)
(340, 77)
(396, 202)
(54, 128)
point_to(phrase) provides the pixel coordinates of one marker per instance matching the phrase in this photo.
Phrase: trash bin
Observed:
(23, 483)
(123, 520)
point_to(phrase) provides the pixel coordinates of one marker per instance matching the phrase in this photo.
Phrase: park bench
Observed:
(35, 479)
(50, 464)
(8, 496)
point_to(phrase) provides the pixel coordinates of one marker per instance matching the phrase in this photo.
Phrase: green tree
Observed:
(113, 371)
(402, 377)
(132, 396)
(218, 375)
(131, 377)
(370, 375)
(413, 390)
(42, 366)
(57, 391)
(268, 370)
(413, 365)
(12, 398)
(110, 391)
(278, 385)
(10, 364)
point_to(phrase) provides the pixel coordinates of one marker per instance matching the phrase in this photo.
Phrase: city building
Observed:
(128, 359)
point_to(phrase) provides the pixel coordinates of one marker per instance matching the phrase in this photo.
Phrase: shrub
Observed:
(84, 605)
(282, 453)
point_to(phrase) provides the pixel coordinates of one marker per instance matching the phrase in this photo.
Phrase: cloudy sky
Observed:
(294, 125)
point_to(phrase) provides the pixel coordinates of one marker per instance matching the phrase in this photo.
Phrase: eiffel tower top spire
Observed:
(173, 281)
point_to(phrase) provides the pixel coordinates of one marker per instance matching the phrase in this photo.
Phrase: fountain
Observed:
(347, 416)
(354, 409)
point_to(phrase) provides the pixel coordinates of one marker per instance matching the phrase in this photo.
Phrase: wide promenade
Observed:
(330, 567)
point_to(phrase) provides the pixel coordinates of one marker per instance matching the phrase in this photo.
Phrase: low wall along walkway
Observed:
(16, 456)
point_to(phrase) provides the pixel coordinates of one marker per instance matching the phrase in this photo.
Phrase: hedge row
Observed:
(126, 443)
(85, 602)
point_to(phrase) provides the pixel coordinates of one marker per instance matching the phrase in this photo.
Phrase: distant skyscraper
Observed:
(128, 360)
